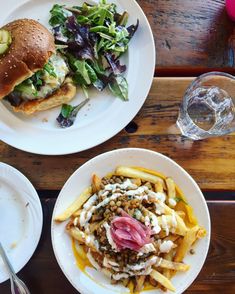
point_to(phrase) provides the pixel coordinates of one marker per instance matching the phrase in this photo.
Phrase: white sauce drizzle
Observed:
(172, 202)
(92, 260)
(166, 246)
(109, 237)
(164, 225)
(90, 202)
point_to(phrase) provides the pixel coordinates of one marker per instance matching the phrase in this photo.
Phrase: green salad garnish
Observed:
(93, 38)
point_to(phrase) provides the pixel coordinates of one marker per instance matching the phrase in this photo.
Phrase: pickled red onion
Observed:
(128, 232)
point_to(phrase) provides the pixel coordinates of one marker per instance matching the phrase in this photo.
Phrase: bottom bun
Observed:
(63, 95)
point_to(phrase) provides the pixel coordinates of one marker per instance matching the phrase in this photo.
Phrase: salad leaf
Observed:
(60, 34)
(121, 20)
(117, 68)
(81, 46)
(59, 15)
(132, 29)
(119, 87)
(82, 70)
(68, 114)
(96, 36)
(91, 73)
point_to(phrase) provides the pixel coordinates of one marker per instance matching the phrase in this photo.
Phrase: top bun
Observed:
(31, 47)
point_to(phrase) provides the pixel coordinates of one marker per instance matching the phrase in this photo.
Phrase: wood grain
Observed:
(190, 36)
(211, 162)
(43, 275)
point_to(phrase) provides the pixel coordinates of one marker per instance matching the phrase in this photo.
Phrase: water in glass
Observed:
(207, 110)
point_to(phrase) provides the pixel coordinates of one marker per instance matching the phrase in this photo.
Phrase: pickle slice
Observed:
(5, 41)
(3, 48)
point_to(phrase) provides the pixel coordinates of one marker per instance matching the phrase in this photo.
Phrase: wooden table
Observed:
(191, 37)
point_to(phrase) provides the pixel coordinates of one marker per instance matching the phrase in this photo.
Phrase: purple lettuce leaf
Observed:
(58, 34)
(82, 44)
(115, 64)
(132, 29)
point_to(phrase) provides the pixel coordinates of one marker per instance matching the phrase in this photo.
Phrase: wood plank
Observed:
(211, 162)
(190, 36)
(43, 275)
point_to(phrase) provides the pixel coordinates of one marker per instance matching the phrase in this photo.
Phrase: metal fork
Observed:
(17, 285)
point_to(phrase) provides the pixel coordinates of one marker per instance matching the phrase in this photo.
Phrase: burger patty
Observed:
(43, 83)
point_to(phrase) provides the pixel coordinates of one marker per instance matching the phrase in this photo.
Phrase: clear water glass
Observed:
(208, 107)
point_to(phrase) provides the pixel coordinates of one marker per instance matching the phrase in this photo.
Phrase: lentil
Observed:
(119, 203)
(112, 203)
(192, 251)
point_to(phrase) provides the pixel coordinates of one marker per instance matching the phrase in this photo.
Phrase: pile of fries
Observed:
(149, 196)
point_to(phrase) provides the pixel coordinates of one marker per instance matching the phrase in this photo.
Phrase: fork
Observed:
(17, 285)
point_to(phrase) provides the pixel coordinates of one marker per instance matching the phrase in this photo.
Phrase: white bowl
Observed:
(102, 165)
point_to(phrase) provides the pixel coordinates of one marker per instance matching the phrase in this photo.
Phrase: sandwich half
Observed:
(33, 76)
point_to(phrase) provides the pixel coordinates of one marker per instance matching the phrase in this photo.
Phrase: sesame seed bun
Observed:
(31, 47)
(63, 95)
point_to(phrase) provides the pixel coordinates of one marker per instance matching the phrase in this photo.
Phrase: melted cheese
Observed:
(51, 83)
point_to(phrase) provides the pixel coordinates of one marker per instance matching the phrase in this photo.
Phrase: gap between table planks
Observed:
(211, 162)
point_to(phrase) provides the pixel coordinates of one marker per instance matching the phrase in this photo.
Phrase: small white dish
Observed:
(21, 218)
(102, 165)
(104, 116)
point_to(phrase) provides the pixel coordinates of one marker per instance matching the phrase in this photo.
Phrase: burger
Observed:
(33, 76)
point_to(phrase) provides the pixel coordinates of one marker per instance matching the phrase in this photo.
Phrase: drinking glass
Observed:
(208, 107)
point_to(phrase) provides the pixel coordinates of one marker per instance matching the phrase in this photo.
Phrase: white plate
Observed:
(21, 218)
(105, 115)
(102, 165)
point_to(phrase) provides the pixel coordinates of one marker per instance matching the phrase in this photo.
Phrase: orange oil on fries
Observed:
(81, 261)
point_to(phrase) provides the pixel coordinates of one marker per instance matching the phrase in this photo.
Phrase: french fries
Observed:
(187, 242)
(137, 182)
(96, 182)
(174, 222)
(171, 193)
(137, 174)
(167, 272)
(181, 229)
(162, 280)
(77, 235)
(177, 266)
(80, 250)
(159, 187)
(83, 197)
(139, 283)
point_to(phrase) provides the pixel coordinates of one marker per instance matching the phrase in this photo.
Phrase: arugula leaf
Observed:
(82, 70)
(119, 87)
(27, 87)
(50, 69)
(91, 73)
(68, 114)
(37, 79)
(59, 15)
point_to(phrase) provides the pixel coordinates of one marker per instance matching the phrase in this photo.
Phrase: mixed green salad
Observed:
(93, 38)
